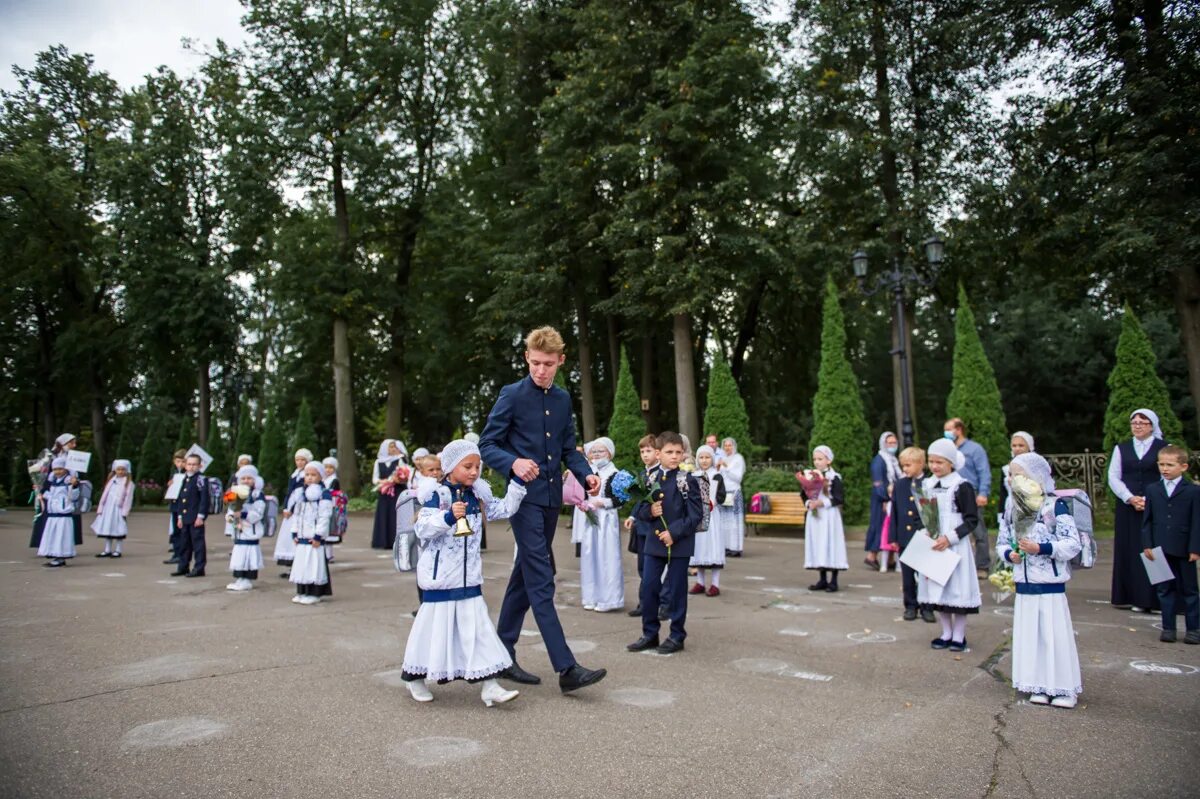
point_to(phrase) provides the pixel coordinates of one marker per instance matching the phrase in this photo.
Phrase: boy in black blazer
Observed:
(906, 522)
(1172, 521)
(189, 510)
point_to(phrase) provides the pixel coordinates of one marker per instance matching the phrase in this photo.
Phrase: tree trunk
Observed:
(343, 384)
(685, 376)
(203, 410)
(587, 395)
(45, 383)
(1187, 306)
(649, 395)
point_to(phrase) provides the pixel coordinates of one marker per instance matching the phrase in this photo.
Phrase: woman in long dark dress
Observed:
(391, 457)
(885, 470)
(1132, 469)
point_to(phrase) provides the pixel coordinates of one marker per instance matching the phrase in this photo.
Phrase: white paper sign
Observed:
(1158, 570)
(920, 556)
(173, 488)
(78, 461)
(205, 458)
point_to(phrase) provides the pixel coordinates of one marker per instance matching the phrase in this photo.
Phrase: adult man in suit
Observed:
(530, 435)
(1172, 521)
(189, 510)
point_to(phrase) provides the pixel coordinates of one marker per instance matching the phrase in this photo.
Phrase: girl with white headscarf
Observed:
(824, 535)
(285, 547)
(885, 471)
(709, 556)
(1132, 468)
(733, 519)
(389, 465)
(601, 578)
(247, 526)
(113, 509)
(1045, 662)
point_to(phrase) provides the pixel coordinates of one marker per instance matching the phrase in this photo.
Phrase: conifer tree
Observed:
(724, 411)
(274, 458)
(627, 426)
(1134, 383)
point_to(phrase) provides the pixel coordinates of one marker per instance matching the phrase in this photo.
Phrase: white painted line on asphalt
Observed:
(794, 632)
(808, 675)
(173, 733)
(372, 585)
(1152, 667)
(530, 633)
(382, 557)
(872, 638)
(886, 600)
(860, 585)
(166, 582)
(790, 608)
(747, 577)
(1005, 611)
(114, 574)
(434, 752)
(642, 697)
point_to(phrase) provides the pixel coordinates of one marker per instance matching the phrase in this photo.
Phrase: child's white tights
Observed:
(954, 626)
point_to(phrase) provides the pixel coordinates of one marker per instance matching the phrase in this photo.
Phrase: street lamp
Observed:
(896, 279)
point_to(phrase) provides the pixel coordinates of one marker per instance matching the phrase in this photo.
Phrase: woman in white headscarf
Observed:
(601, 579)
(733, 520)
(1131, 470)
(388, 465)
(885, 470)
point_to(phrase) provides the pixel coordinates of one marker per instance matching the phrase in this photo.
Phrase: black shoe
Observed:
(670, 647)
(818, 586)
(171, 561)
(578, 677)
(636, 611)
(197, 573)
(939, 643)
(958, 646)
(910, 614)
(927, 616)
(644, 643)
(663, 615)
(1192, 637)
(53, 564)
(285, 575)
(1167, 636)
(179, 573)
(832, 588)
(515, 673)
(104, 554)
(115, 555)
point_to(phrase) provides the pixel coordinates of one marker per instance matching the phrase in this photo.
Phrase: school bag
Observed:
(271, 517)
(702, 481)
(760, 503)
(339, 522)
(216, 495)
(1074, 502)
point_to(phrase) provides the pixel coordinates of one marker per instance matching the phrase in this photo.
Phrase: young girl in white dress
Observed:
(824, 534)
(246, 527)
(113, 509)
(601, 577)
(1045, 660)
(452, 637)
(285, 547)
(733, 512)
(59, 495)
(710, 545)
(958, 516)
(312, 509)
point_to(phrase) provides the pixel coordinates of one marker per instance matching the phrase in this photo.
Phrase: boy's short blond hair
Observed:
(912, 454)
(181, 453)
(650, 441)
(1180, 454)
(545, 339)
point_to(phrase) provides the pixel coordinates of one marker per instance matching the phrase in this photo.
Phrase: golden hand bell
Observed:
(463, 527)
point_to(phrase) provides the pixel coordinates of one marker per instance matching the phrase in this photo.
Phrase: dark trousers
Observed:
(664, 597)
(908, 577)
(676, 591)
(191, 544)
(983, 551)
(531, 586)
(1182, 591)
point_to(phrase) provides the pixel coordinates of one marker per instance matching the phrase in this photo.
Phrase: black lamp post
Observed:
(896, 279)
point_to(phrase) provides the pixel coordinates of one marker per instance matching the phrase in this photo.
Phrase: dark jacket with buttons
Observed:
(192, 501)
(906, 519)
(534, 423)
(1173, 522)
(682, 512)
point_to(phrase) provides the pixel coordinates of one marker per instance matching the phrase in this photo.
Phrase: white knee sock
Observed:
(716, 577)
(960, 627)
(700, 577)
(117, 546)
(947, 625)
(108, 545)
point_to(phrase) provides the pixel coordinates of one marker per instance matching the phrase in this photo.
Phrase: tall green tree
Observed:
(974, 396)
(222, 462)
(626, 427)
(187, 434)
(1134, 383)
(303, 434)
(248, 438)
(274, 458)
(154, 458)
(838, 420)
(725, 412)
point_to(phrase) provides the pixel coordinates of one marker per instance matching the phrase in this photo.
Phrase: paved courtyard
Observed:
(117, 680)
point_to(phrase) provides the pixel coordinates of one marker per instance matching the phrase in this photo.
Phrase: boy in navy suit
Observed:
(674, 520)
(189, 510)
(1172, 521)
(906, 522)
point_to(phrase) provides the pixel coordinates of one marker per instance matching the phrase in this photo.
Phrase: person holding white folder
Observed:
(1171, 534)
(958, 516)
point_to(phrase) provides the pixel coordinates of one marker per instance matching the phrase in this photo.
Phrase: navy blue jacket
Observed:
(192, 500)
(906, 519)
(1172, 523)
(682, 513)
(534, 423)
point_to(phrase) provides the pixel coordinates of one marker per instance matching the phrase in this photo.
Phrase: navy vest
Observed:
(1138, 474)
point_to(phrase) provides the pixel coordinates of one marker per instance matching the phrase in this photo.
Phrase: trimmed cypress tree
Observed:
(1134, 383)
(839, 421)
(273, 455)
(222, 462)
(724, 411)
(124, 445)
(974, 395)
(187, 434)
(626, 427)
(247, 434)
(304, 434)
(154, 458)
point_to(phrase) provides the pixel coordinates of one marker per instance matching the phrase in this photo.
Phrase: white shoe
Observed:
(233, 586)
(298, 599)
(589, 607)
(243, 585)
(308, 599)
(1064, 701)
(419, 690)
(494, 694)
(1039, 699)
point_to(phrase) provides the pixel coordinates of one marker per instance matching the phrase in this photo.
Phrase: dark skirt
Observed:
(309, 589)
(247, 574)
(875, 527)
(383, 534)
(77, 522)
(1130, 585)
(39, 524)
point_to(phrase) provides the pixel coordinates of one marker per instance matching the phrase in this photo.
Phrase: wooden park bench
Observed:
(786, 508)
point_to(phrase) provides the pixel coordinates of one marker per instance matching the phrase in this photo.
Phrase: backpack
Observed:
(216, 495)
(84, 503)
(702, 481)
(340, 521)
(271, 517)
(1075, 503)
(760, 503)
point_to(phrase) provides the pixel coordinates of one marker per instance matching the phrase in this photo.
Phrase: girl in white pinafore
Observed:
(1045, 662)
(733, 511)
(285, 546)
(247, 527)
(58, 505)
(710, 545)
(312, 511)
(601, 577)
(113, 509)
(824, 532)
(958, 516)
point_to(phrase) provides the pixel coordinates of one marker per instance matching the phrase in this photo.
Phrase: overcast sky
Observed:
(129, 38)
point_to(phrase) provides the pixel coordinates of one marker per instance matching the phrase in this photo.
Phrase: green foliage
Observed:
(18, 480)
(154, 459)
(838, 420)
(724, 411)
(627, 426)
(222, 462)
(770, 479)
(248, 438)
(303, 435)
(974, 395)
(187, 434)
(274, 458)
(1134, 383)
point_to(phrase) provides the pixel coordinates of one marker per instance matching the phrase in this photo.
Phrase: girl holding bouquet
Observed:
(602, 581)
(824, 535)
(113, 509)
(1039, 539)
(710, 545)
(958, 515)
(245, 524)
(313, 509)
(285, 547)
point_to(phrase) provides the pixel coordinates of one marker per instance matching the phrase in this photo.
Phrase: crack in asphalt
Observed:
(990, 665)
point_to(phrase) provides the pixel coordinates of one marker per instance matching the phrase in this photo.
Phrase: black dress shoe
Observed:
(663, 614)
(198, 573)
(910, 614)
(832, 588)
(644, 643)
(927, 616)
(670, 647)
(818, 586)
(578, 677)
(1167, 636)
(171, 561)
(179, 573)
(515, 673)
(1192, 637)
(636, 611)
